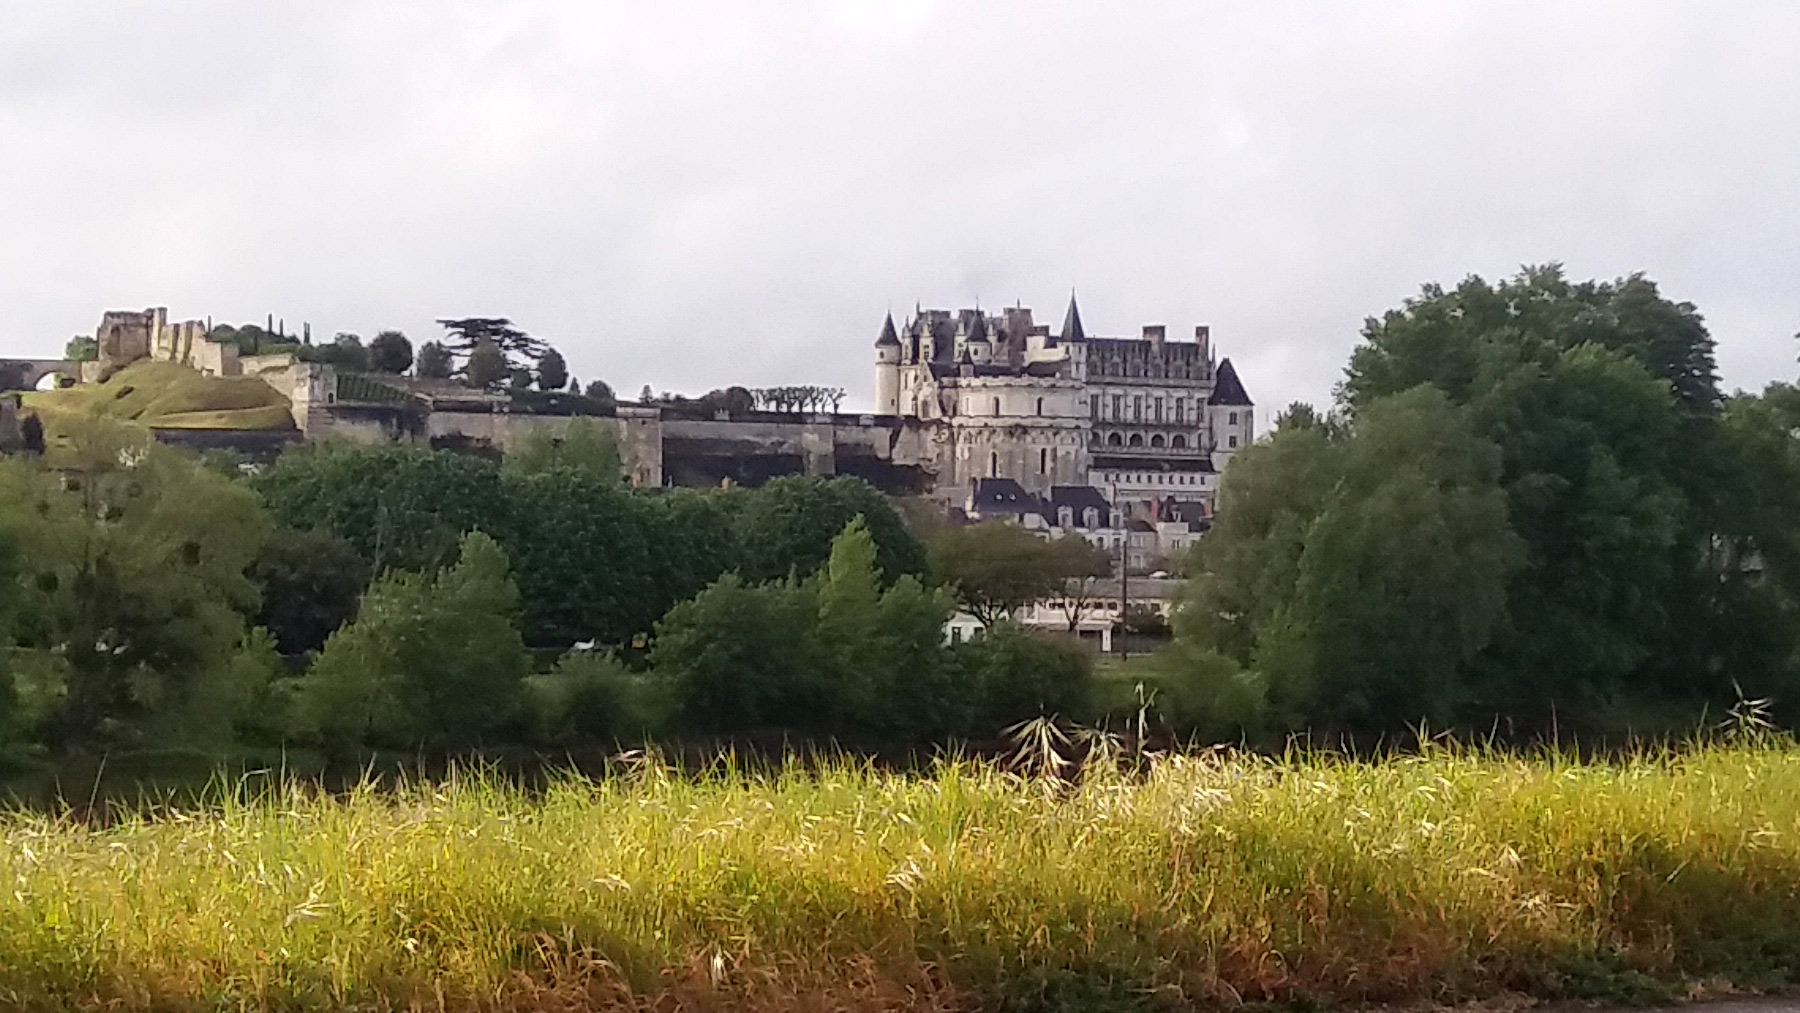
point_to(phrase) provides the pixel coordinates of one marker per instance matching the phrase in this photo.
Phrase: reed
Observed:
(1204, 879)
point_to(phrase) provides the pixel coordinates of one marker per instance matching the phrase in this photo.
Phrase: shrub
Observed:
(429, 660)
(1013, 675)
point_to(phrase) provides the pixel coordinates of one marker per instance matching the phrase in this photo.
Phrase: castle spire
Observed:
(888, 335)
(1071, 329)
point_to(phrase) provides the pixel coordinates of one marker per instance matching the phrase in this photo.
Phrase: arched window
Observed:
(997, 409)
(1040, 406)
(993, 464)
(1137, 440)
(1178, 442)
(1112, 440)
(1157, 441)
(1093, 439)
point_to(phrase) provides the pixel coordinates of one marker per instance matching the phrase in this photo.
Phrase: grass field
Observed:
(1209, 880)
(168, 395)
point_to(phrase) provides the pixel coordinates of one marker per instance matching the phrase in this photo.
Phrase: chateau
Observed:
(990, 414)
(1147, 421)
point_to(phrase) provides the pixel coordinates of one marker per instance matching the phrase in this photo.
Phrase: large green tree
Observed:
(1360, 575)
(1604, 402)
(430, 660)
(135, 589)
(787, 526)
(390, 352)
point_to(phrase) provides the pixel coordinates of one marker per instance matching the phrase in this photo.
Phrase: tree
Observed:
(517, 349)
(136, 591)
(552, 371)
(399, 506)
(81, 349)
(582, 445)
(487, 366)
(346, 351)
(997, 568)
(430, 660)
(600, 392)
(310, 582)
(799, 398)
(787, 527)
(829, 653)
(733, 400)
(1359, 575)
(1015, 675)
(742, 657)
(390, 352)
(435, 361)
(1081, 565)
(1603, 401)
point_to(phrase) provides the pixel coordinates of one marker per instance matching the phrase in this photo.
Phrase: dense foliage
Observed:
(1532, 507)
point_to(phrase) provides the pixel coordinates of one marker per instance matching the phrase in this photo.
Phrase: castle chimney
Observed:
(1203, 338)
(1154, 334)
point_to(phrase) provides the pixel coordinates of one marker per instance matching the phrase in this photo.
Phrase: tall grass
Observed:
(1209, 879)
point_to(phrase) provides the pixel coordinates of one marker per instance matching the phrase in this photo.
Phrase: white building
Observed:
(1144, 419)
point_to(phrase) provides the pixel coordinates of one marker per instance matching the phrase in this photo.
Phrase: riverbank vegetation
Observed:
(1159, 882)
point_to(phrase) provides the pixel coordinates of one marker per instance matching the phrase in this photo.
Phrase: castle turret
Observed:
(1231, 416)
(887, 369)
(976, 344)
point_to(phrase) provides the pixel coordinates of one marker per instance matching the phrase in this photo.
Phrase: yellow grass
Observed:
(1211, 880)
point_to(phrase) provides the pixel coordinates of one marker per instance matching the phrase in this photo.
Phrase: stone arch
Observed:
(1157, 441)
(29, 374)
(1137, 440)
(1178, 442)
(1094, 439)
(1112, 440)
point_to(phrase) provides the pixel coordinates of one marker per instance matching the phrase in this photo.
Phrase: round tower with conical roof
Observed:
(887, 369)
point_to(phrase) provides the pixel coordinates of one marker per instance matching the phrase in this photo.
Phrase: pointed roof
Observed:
(1227, 388)
(888, 334)
(1072, 330)
(978, 329)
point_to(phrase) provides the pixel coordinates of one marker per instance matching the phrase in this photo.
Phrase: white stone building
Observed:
(1145, 420)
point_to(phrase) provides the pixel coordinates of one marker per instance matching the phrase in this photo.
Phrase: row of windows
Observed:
(1151, 478)
(1143, 409)
(1043, 462)
(1157, 442)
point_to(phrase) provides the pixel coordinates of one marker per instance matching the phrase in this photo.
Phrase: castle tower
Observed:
(976, 342)
(1230, 415)
(887, 370)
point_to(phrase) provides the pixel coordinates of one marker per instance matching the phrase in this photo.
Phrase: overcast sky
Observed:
(692, 194)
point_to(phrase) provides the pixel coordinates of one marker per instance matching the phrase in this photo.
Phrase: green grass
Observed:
(165, 394)
(1212, 879)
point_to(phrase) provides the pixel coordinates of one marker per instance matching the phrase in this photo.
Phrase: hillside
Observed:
(169, 396)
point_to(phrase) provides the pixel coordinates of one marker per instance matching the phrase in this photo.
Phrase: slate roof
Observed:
(888, 335)
(1227, 388)
(1078, 498)
(1071, 329)
(1002, 496)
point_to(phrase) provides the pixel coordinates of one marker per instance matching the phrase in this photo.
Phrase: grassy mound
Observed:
(1208, 881)
(166, 395)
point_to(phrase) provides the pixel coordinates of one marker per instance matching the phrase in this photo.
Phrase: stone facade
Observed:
(125, 336)
(1146, 420)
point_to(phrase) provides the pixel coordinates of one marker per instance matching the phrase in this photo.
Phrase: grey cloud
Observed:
(694, 193)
